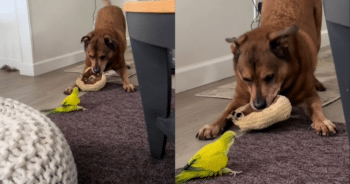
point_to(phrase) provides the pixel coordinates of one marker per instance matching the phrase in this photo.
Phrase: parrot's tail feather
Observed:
(47, 110)
(186, 167)
(189, 175)
(183, 177)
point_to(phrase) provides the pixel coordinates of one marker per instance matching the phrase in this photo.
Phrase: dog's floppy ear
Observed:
(236, 43)
(110, 42)
(279, 41)
(86, 39)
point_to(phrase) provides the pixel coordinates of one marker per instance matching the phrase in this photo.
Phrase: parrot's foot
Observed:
(230, 172)
(234, 172)
(81, 108)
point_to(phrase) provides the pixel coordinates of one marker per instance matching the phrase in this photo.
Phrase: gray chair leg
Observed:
(167, 125)
(339, 37)
(153, 73)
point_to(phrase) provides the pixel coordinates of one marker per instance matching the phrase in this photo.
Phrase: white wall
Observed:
(324, 32)
(10, 48)
(202, 55)
(57, 28)
(49, 38)
(40, 36)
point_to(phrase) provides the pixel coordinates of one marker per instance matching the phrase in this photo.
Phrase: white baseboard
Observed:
(10, 62)
(52, 64)
(324, 38)
(128, 41)
(206, 72)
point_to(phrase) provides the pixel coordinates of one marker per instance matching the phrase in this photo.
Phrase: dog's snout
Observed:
(96, 69)
(259, 103)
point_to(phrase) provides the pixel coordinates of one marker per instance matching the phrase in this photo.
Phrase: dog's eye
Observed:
(103, 57)
(91, 56)
(247, 80)
(269, 78)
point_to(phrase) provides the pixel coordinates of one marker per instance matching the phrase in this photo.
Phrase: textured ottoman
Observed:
(32, 148)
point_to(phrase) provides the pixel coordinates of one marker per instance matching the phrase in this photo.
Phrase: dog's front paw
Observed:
(209, 132)
(129, 87)
(68, 91)
(324, 128)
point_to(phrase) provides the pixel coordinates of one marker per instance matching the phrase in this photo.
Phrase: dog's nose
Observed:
(259, 103)
(96, 69)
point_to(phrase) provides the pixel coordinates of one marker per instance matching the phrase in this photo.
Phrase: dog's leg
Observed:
(123, 72)
(69, 90)
(211, 131)
(313, 108)
(319, 86)
(318, 16)
(318, 21)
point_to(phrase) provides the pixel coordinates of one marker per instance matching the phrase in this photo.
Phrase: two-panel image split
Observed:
(174, 91)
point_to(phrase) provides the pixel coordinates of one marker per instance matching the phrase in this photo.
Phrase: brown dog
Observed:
(105, 46)
(279, 57)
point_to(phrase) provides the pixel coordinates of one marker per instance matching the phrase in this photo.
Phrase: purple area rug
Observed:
(288, 152)
(109, 140)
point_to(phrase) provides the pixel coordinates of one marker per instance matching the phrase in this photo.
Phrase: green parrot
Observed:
(70, 103)
(211, 160)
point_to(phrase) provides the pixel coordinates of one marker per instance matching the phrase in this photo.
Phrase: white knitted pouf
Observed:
(32, 147)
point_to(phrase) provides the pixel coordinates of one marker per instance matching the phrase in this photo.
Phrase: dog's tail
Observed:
(107, 2)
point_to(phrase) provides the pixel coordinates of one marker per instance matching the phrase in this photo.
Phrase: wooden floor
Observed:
(193, 112)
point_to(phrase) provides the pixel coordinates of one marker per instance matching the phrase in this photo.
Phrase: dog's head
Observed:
(101, 49)
(261, 60)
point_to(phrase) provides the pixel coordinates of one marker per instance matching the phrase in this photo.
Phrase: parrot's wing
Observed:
(210, 162)
(189, 166)
(213, 162)
(65, 101)
(74, 100)
(229, 146)
(207, 150)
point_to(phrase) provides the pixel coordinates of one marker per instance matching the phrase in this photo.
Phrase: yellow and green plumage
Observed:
(70, 103)
(211, 160)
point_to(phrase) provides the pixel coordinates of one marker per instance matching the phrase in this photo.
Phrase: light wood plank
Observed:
(167, 6)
